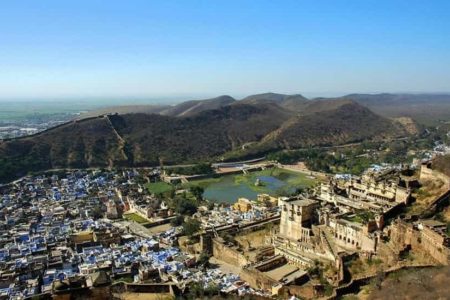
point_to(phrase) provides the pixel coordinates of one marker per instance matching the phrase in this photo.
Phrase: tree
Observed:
(191, 226)
(197, 191)
(203, 260)
(211, 290)
(196, 290)
(185, 206)
(177, 221)
(211, 205)
(315, 270)
(378, 280)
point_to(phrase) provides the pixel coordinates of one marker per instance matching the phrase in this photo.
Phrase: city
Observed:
(104, 233)
(190, 149)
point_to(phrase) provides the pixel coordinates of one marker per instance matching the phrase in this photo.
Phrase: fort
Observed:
(340, 218)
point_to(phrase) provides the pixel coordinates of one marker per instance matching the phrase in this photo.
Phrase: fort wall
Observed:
(228, 254)
(404, 235)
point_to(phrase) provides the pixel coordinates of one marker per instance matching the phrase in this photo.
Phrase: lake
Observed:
(274, 182)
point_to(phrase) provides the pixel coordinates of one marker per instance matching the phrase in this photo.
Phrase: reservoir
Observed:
(274, 181)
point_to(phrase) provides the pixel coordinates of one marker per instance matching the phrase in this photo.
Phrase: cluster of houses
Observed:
(243, 212)
(20, 128)
(64, 234)
(47, 225)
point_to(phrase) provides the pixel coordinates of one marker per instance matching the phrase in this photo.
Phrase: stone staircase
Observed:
(327, 243)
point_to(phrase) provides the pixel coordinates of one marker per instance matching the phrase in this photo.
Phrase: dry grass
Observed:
(429, 191)
(415, 284)
(442, 164)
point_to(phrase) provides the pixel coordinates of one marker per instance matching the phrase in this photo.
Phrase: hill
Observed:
(237, 130)
(125, 109)
(345, 123)
(338, 124)
(442, 164)
(427, 109)
(79, 144)
(290, 102)
(186, 108)
(203, 136)
(192, 107)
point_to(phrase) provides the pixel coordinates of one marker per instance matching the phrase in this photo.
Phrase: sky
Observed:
(150, 49)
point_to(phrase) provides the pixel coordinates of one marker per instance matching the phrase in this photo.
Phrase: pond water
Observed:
(231, 187)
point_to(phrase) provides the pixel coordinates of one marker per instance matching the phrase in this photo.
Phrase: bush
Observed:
(177, 221)
(191, 226)
(203, 168)
(203, 260)
(197, 191)
(185, 206)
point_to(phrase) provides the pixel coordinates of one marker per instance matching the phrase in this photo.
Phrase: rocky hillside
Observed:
(190, 108)
(348, 122)
(442, 164)
(200, 131)
(290, 102)
(91, 142)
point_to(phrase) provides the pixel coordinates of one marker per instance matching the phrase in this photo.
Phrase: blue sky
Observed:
(167, 48)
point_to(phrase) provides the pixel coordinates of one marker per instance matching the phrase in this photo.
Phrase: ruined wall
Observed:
(228, 255)
(403, 235)
(432, 243)
(426, 173)
(257, 279)
(402, 195)
(149, 288)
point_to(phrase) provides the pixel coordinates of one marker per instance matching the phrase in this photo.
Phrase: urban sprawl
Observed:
(103, 234)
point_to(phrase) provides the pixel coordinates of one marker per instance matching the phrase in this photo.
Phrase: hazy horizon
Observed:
(174, 99)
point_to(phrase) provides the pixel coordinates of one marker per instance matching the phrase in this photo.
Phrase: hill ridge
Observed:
(144, 139)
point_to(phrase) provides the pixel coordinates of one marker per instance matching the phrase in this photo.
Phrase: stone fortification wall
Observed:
(404, 235)
(228, 254)
(427, 173)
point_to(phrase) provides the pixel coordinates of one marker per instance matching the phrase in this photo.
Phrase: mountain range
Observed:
(427, 109)
(201, 130)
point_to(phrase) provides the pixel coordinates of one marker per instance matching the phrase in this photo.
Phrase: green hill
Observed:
(236, 130)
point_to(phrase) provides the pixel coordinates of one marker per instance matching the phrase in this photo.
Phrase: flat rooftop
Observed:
(302, 202)
(281, 272)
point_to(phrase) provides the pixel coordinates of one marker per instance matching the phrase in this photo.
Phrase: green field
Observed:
(135, 217)
(158, 187)
(204, 183)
